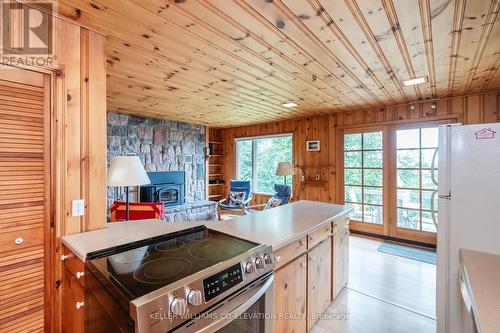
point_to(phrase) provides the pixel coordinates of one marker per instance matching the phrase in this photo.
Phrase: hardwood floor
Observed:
(385, 293)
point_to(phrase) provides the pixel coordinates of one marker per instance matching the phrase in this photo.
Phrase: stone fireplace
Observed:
(162, 145)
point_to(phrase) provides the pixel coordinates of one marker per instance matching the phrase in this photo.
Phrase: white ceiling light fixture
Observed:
(414, 81)
(289, 105)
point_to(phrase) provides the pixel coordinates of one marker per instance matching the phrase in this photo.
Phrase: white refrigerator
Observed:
(468, 213)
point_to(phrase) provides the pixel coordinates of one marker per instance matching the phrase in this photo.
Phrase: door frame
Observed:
(394, 230)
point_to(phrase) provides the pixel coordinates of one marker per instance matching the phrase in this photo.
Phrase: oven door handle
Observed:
(252, 295)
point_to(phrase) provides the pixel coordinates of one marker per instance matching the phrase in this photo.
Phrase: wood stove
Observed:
(167, 187)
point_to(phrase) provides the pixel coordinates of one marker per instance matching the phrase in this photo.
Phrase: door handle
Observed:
(433, 168)
(433, 212)
(445, 196)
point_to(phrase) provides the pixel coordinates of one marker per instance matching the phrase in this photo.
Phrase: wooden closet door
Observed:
(24, 200)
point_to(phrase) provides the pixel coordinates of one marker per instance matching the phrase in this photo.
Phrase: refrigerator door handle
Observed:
(433, 212)
(433, 166)
(445, 196)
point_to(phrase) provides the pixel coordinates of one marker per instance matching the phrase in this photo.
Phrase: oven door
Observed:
(249, 310)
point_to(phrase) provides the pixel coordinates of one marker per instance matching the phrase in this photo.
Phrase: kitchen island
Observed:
(309, 242)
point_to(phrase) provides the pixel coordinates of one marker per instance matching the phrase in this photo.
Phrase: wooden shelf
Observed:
(216, 184)
(215, 142)
(215, 196)
(217, 165)
(214, 155)
(214, 174)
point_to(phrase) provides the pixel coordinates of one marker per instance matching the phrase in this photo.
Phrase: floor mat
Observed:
(410, 252)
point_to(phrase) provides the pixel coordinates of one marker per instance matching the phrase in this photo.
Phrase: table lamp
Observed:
(284, 169)
(127, 171)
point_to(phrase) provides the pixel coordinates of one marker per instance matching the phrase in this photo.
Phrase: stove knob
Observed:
(249, 268)
(178, 306)
(194, 297)
(260, 263)
(268, 258)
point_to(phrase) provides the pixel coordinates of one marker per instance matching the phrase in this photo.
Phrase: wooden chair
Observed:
(280, 198)
(138, 211)
(237, 200)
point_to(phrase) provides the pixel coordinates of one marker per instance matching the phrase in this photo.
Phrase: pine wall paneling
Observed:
(78, 103)
(472, 109)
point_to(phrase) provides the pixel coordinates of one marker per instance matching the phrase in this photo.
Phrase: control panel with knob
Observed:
(260, 263)
(268, 258)
(178, 306)
(249, 268)
(194, 297)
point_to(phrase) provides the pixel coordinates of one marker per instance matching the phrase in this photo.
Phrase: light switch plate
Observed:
(77, 207)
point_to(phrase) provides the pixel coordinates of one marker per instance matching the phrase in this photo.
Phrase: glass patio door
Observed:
(414, 169)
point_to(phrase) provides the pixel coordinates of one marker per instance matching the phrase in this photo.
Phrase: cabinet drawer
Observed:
(73, 265)
(340, 224)
(289, 252)
(318, 236)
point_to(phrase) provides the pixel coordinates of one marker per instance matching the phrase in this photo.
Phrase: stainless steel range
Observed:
(197, 280)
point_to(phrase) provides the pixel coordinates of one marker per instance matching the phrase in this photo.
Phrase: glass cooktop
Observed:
(165, 260)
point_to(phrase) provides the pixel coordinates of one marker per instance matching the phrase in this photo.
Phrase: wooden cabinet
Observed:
(309, 274)
(290, 296)
(73, 306)
(340, 255)
(318, 280)
(73, 302)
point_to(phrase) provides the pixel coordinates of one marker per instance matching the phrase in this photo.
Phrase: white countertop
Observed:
(483, 279)
(276, 227)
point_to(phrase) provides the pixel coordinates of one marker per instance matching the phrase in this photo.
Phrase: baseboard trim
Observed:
(395, 239)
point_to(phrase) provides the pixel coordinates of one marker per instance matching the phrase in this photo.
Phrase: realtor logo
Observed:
(485, 133)
(26, 30)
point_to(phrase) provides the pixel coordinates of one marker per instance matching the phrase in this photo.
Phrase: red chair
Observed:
(138, 211)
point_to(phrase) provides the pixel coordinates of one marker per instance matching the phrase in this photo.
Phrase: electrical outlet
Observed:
(77, 207)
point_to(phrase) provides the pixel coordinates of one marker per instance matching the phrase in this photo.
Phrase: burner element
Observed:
(130, 257)
(215, 249)
(162, 270)
(199, 236)
(170, 245)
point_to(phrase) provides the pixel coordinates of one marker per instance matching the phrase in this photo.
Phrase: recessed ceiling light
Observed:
(414, 81)
(289, 105)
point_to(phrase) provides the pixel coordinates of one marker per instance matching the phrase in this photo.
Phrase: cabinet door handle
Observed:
(66, 257)
(79, 305)
(79, 274)
(19, 241)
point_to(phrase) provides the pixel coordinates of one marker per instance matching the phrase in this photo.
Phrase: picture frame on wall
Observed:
(312, 145)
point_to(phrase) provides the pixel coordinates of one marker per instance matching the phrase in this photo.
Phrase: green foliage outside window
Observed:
(268, 153)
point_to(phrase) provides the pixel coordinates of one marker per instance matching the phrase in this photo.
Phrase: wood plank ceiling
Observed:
(234, 62)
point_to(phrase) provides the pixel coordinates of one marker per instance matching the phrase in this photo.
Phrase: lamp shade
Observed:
(127, 171)
(284, 169)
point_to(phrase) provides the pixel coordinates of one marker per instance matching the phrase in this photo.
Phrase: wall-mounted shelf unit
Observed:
(215, 167)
